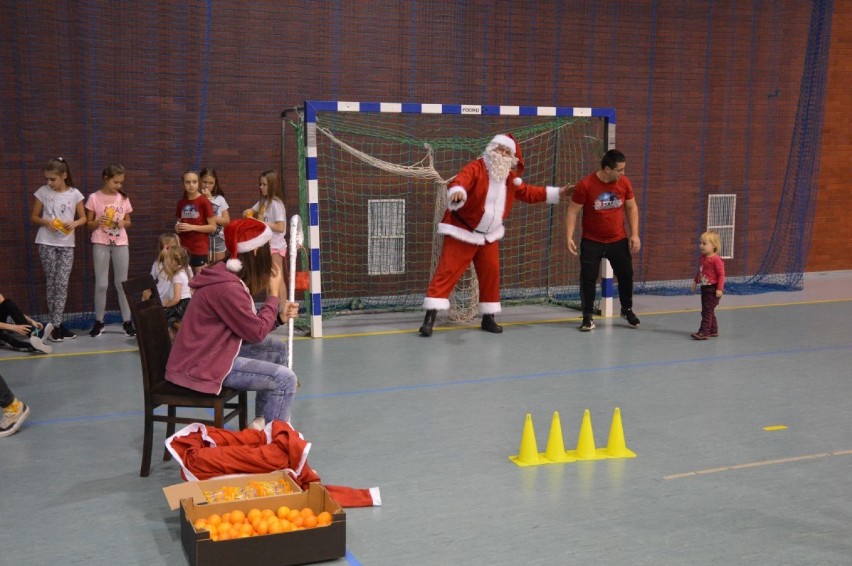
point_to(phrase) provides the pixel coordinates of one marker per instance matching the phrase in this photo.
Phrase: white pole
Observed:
(606, 289)
(297, 238)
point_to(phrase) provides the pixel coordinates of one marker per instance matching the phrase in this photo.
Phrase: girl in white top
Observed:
(172, 272)
(57, 211)
(214, 193)
(270, 210)
(108, 217)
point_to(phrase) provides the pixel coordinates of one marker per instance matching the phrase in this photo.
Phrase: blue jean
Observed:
(262, 368)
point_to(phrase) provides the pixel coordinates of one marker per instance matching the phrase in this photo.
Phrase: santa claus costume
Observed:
(479, 199)
(206, 452)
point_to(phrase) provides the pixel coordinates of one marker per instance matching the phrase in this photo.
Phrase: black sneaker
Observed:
(66, 333)
(56, 334)
(587, 324)
(129, 329)
(631, 318)
(97, 329)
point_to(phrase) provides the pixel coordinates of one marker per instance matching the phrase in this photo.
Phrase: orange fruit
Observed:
(275, 528)
(226, 517)
(262, 527)
(298, 521)
(224, 536)
(214, 520)
(307, 512)
(223, 528)
(283, 511)
(293, 514)
(237, 517)
(246, 529)
(286, 526)
(200, 524)
(324, 518)
(252, 515)
(310, 522)
(267, 513)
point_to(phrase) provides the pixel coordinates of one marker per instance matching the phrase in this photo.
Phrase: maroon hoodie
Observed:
(220, 315)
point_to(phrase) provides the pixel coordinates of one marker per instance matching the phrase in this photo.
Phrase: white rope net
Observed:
(464, 300)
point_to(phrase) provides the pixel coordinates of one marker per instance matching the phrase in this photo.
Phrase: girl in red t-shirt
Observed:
(196, 221)
(711, 277)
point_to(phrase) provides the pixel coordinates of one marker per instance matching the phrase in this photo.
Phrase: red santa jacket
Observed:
(206, 452)
(461, 221)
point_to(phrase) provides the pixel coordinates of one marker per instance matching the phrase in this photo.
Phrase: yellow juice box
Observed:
(59, 225)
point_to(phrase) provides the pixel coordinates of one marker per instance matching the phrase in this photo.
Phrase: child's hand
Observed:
(290, 311)
(248, 213)
(57, 225)
(693, 286)
(719, 293)
(23, 329)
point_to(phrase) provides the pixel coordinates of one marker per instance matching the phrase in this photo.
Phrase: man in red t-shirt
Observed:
(603, 197)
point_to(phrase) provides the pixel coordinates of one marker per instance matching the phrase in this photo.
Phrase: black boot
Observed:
(489, 325)
(428, 322)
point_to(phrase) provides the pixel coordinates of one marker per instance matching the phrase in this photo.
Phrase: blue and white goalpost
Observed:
(312, 108)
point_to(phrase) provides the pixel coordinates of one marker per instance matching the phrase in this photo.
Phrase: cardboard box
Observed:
(285, 549)
(195, 489)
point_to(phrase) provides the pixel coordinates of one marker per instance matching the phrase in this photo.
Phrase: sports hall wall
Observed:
(712, 97)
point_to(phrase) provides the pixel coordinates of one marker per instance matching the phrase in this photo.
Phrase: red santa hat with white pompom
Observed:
(244, 235)
(508, 140)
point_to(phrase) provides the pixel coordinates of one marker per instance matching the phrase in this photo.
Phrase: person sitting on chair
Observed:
(224, 340)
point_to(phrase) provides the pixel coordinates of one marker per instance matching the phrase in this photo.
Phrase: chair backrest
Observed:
(152, 332)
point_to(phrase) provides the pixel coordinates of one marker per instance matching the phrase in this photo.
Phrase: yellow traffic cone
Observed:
(586, 442)
(555, 446)
(616, 447)
(528, 453)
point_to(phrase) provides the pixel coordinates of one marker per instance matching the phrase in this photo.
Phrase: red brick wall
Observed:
(163, 87)
(831, 247)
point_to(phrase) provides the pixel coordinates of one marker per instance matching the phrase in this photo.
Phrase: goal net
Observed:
(375, 180)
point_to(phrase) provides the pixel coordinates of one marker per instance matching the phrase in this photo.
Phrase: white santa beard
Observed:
(498, 165)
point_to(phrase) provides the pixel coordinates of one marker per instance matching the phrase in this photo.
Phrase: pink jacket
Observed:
(220, 315)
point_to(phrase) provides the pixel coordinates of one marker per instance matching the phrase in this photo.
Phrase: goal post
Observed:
(375, 177)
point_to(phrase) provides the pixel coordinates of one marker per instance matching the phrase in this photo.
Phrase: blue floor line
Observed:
(504, 378)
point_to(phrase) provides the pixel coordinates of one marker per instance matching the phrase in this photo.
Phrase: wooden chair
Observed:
(152, 334)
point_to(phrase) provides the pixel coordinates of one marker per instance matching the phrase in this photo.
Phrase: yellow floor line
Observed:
(564, 320)
(32, 356)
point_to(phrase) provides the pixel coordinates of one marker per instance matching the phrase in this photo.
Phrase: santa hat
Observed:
(508, 140)
(244, 235)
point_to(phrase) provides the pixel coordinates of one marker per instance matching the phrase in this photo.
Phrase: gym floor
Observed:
(742, 441)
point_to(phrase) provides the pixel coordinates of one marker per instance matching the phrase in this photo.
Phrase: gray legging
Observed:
(120, 257)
